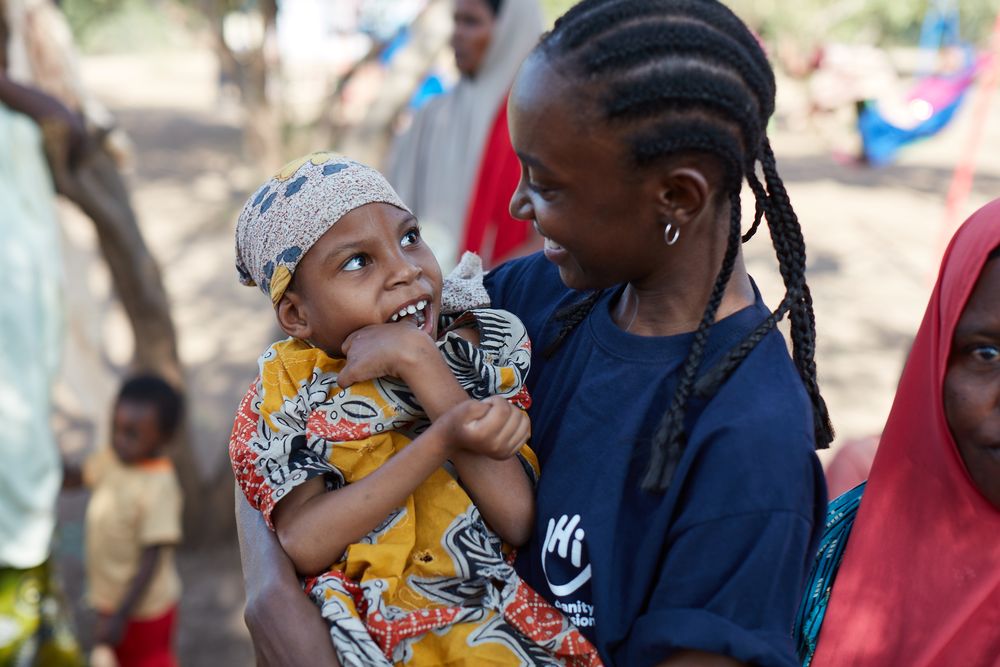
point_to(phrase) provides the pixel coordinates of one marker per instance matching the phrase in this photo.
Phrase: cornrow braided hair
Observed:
(687, 76)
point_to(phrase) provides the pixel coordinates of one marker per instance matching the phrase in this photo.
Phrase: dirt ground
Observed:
(874, 239)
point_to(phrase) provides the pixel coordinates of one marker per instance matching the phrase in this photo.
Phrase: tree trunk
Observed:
(96, 186)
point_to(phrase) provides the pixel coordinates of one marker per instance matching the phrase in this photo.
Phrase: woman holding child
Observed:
(680, 497)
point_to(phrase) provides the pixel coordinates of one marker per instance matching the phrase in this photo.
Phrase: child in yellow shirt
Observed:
(133, 524)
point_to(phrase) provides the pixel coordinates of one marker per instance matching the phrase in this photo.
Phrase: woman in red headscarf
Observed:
(919, 583)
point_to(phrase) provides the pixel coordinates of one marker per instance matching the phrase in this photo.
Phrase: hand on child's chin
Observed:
(380, 350)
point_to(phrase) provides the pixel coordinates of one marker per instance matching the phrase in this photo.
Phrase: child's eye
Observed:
(355, 263)
(410, 237)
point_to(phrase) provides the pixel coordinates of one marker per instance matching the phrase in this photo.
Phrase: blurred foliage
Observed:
(128, 25)
(125, 24)
(555, 8)
(881, 22)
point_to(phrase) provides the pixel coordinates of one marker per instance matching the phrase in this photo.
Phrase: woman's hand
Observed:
(63, 129)
(491, 427)
(110, 629)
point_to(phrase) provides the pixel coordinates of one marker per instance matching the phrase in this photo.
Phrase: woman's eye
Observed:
(355, 263)
(987, 353)
(541, 190)
(410, 237)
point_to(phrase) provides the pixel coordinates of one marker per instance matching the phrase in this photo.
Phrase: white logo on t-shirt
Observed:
(562, 537)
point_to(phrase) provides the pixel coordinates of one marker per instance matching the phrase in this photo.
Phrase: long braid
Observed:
(669, 439)
(803, 318)
(570, 316)
(687, 76)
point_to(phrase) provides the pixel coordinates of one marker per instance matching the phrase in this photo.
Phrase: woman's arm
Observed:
(286, 628)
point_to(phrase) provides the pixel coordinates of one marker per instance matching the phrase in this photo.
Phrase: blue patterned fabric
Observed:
(833, 543)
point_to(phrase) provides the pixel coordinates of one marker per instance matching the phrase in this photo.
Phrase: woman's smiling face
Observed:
(576, 186)
(972, 384)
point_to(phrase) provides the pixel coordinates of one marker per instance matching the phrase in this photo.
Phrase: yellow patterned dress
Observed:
(431, 584)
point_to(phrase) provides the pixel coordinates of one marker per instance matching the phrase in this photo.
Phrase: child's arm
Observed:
(315, 527)
(492, 475)
(111, 628)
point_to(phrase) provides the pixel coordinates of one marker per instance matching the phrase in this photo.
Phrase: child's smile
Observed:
(415, 311)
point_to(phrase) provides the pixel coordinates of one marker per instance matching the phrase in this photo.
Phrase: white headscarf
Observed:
(434, 164)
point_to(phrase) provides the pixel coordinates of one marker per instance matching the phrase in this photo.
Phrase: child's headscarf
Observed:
(920, 581)
(288, 214)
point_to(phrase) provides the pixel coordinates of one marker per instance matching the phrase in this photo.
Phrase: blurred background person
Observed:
(134, 525)
(454, 166)
(31, 334)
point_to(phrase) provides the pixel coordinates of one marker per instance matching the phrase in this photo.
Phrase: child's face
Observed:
(136, 434)
(972, 384)
(366, 269)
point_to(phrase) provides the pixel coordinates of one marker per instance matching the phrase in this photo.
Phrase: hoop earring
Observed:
(671, 239)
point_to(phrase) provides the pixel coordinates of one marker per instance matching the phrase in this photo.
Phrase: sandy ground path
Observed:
(874, 241)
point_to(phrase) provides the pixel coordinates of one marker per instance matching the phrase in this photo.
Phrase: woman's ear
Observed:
(683, 195)
(293, 316)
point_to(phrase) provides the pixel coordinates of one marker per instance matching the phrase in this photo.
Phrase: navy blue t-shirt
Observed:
(715, 563)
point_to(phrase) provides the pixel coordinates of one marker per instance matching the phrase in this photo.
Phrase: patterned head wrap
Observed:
(288, 214)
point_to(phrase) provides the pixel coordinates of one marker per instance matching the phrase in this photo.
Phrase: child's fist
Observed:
(492, 427)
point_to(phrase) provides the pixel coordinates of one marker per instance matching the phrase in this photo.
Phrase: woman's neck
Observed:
(666, 310)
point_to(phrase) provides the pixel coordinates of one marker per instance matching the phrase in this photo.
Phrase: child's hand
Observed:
(110, 629)
(491, 427)
(379, 350)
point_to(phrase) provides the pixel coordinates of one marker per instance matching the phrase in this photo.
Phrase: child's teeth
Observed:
(421, 304)
(411, 309)
(402, 313)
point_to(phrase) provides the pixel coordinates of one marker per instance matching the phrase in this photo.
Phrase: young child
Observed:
(133, 524)
(359, 441)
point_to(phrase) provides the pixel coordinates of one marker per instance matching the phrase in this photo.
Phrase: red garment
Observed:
(490, 231)
(920, 582)
(148, 643)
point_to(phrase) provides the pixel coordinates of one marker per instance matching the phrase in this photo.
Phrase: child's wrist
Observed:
(418, 358)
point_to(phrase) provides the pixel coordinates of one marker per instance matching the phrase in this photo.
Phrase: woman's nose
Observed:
(520, 204)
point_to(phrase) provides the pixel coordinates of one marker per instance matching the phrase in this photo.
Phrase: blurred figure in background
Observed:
(32, 620)
(454, 165)
(133, 524)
